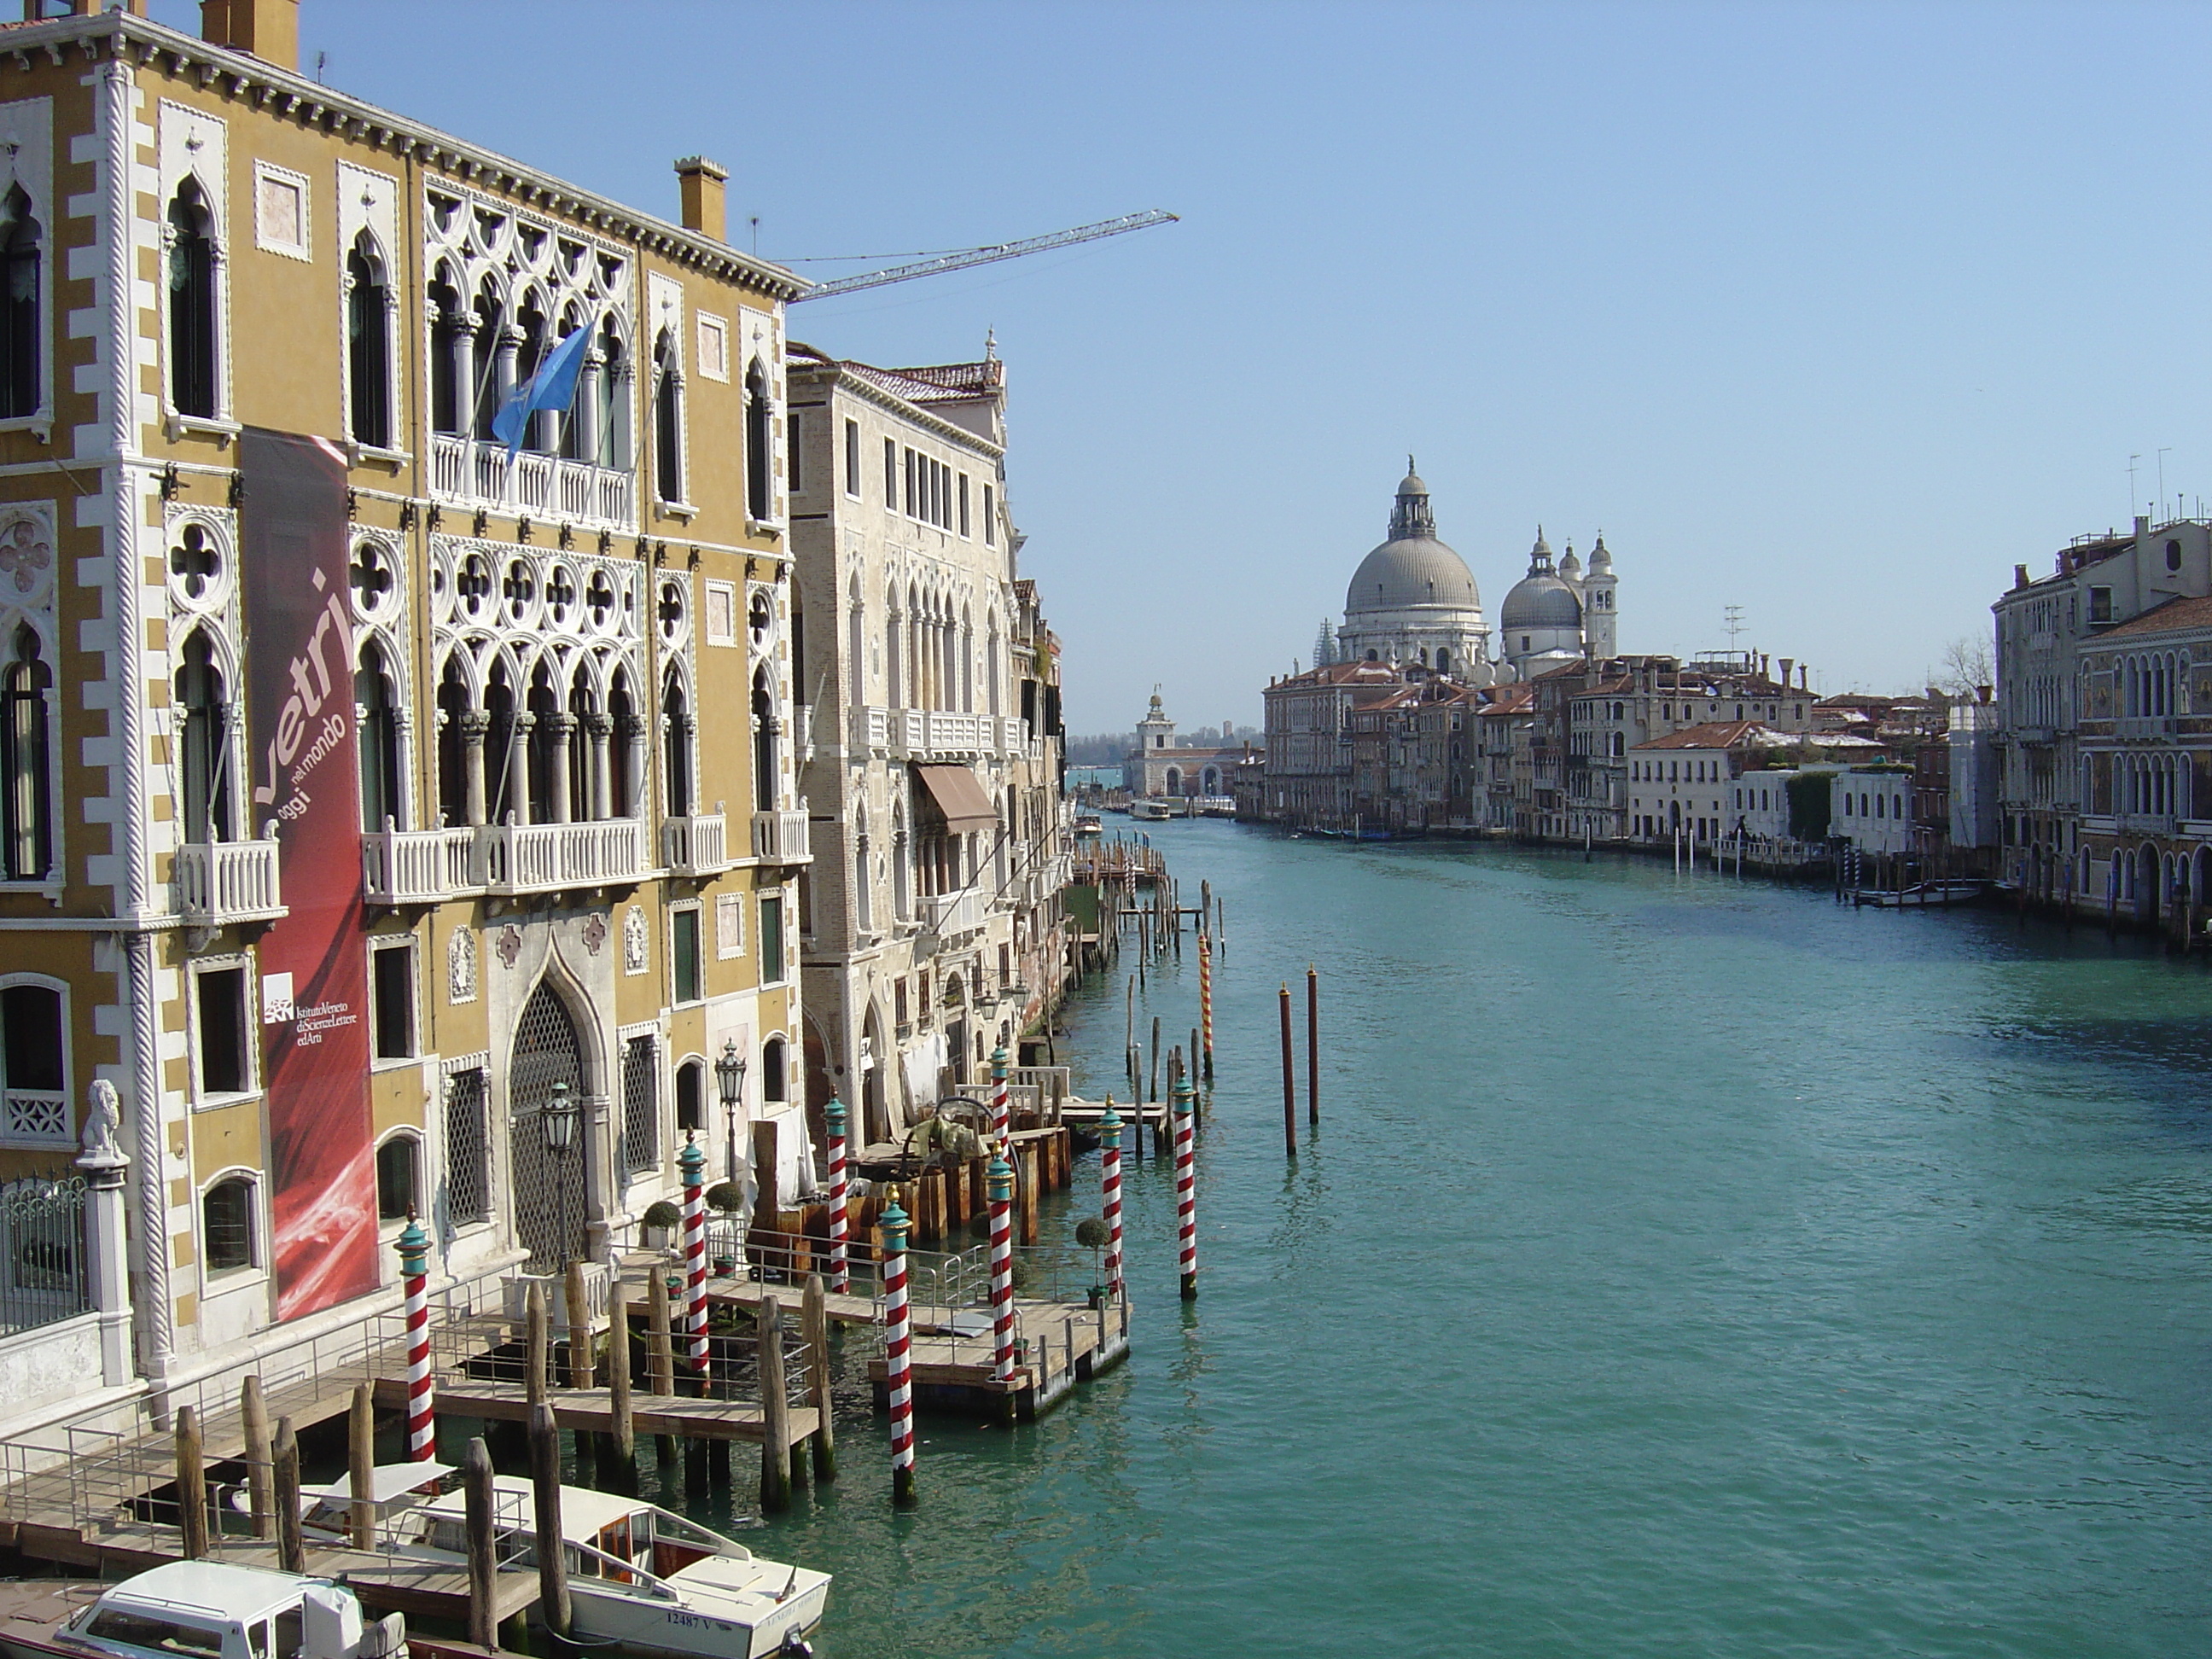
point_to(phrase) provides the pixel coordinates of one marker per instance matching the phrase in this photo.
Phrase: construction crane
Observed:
(984, 256)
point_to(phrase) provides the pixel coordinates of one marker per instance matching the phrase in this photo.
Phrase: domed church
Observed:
(1412, 599)
(1412, 604)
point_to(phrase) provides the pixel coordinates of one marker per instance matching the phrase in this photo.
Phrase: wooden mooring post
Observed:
(545, 1490)
(536, 1343)
(1290, 1082)
(260, 1453)
(484, 1554)
(360, 1464)
(1313, 1045)
(816, 1315)
(580, 1328)
(623, 1437)
(192, 1484)
(776, 1425)
(284, 1492)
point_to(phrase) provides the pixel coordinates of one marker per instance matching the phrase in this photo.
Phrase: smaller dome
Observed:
(1541, 601)
(1600, 558)
(1570, 566)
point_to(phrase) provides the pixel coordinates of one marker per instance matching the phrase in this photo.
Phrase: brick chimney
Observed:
(270, 29)
(699, 182)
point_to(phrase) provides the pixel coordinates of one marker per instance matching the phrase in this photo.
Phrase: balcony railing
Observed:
(948, 915)
(951, 733)
(476, 472)
(872, 729)
(417, 866)
(541, 857)
(2144, 824)
(219, 882)
(698, 846)
(782, 837)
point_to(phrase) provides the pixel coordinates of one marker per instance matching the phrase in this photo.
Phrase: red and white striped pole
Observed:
(1205, 997)
(841, 1272)
(1110, 1180)
(414, 1278)
(692, 1162)
(999, 1117)
(1186, 1191)
(898, 1339)
(999, 1182)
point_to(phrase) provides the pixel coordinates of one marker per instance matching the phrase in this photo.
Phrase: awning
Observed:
(965, 804)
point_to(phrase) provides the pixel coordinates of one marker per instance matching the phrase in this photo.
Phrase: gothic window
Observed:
(641, 1087)
(690, 1097)
(204, 744)
(675, 740)
(27, 810)
(527, 356)
(621, 718)
(19, 307)
(614, 402)
(491, 324)
(399, 1164)
(764, 731)
(775, 1089)
(760, 497)
(667, 420)
(447, 393)
(382, 795)
(368, 346)
(192, 303)
(468, 1169)
(453, 713)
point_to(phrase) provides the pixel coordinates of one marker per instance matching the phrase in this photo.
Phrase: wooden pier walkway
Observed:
(1066, 1344)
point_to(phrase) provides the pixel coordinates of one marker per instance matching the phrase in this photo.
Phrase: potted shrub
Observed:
(1091, 1233)
(661, 1220)
(727, 1198)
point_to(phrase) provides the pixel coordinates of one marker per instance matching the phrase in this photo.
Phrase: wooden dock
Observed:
(587, 1410)
(1066, 1344)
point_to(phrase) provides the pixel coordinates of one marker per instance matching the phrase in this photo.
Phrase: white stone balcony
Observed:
(418, 866)
(696, 845)
(219, 882)
(909, 733)
(546, 858)
(951, 733)
(782, 837)
(871, 730)
(476, 473)
(950, 915)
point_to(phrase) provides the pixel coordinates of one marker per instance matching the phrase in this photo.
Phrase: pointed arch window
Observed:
(369, 347)
(759, 496)
(204, 744)
(27, 812)
(19, 307)
(448, 379)
(764, 735)
(192, 303)
(676, 739)
(382, 799)
(614, 402)
(667, 420)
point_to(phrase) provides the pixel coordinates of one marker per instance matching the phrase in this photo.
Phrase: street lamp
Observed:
(730, 1077)
(557, 1121)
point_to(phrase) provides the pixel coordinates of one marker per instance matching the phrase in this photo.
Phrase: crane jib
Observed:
(984, 256)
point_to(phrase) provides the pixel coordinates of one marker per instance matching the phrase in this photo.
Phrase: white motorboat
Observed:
(1151, 808)
(638, 1574)
(212, 1610)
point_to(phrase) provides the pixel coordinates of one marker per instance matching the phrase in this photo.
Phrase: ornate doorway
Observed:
(548, 1188)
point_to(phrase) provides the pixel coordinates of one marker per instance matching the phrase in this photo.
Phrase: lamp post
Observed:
(557, 1121)
(730, 1078)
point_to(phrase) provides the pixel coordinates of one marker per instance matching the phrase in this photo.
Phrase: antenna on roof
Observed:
(1732, 624)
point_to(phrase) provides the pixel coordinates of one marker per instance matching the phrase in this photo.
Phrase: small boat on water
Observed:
(1150, 809)
(212, 1610)
(1934, 894)
(638, 1574)
(1088, 824)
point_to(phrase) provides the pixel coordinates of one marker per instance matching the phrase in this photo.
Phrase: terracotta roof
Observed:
(1714, 734)
(1510, 700)
(2172, 617)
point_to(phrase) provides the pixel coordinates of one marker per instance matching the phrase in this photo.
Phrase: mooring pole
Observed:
(536, 1341)
(1313, 1045)
(898, 1385)
(552, 1549)
(260, 1453)
(477, 1489)
(1156, 1059)
(580, 1329)
(1109, 1189)
(1186, 1194)
(1000, 1115)
(1290, 1082)
(692, 1162)
(360, 1465)
(618, 1386)
(1205, 997)
(776, 1407)
(284, 1489)
(414, 1247)
(999, 1186)
(192, 1484)
(832, 1118)
(815, 1313)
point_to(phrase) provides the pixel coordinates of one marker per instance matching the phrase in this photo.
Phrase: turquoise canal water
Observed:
(1682, 1267)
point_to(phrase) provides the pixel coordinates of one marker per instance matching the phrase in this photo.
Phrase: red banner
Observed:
(314, 964)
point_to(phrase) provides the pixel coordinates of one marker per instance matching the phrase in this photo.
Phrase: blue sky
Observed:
(1833, 312)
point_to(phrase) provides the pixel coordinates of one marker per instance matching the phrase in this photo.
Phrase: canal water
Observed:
(1682, 1266)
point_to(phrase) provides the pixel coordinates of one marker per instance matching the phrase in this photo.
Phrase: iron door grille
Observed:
(641, 1104)
(43, 1225)
(468, 1148)
(549, 1186)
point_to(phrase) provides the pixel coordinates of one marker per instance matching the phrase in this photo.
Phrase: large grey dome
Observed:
(1412, 569)
(1541, 600)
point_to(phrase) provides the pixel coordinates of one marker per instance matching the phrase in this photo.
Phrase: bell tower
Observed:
(1156, 729)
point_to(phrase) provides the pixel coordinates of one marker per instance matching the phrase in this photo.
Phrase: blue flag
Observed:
(553, 386)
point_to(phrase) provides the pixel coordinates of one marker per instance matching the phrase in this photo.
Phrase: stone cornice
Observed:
(287, 94)
(832, 374)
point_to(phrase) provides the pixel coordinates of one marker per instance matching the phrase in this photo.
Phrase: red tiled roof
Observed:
(2172, 617)
(1714, 734)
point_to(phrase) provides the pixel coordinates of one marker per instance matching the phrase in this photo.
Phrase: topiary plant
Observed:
(726, 1196)
(661, 1213)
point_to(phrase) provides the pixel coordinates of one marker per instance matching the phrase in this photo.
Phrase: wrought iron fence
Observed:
(42, 1236)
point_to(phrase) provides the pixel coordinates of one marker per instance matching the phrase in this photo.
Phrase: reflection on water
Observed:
(1682, 1266)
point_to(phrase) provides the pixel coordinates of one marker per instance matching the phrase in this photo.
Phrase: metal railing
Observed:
(42, 1233)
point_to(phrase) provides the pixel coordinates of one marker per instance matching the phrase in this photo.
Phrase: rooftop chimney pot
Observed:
(699, 184)
(270, 29)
